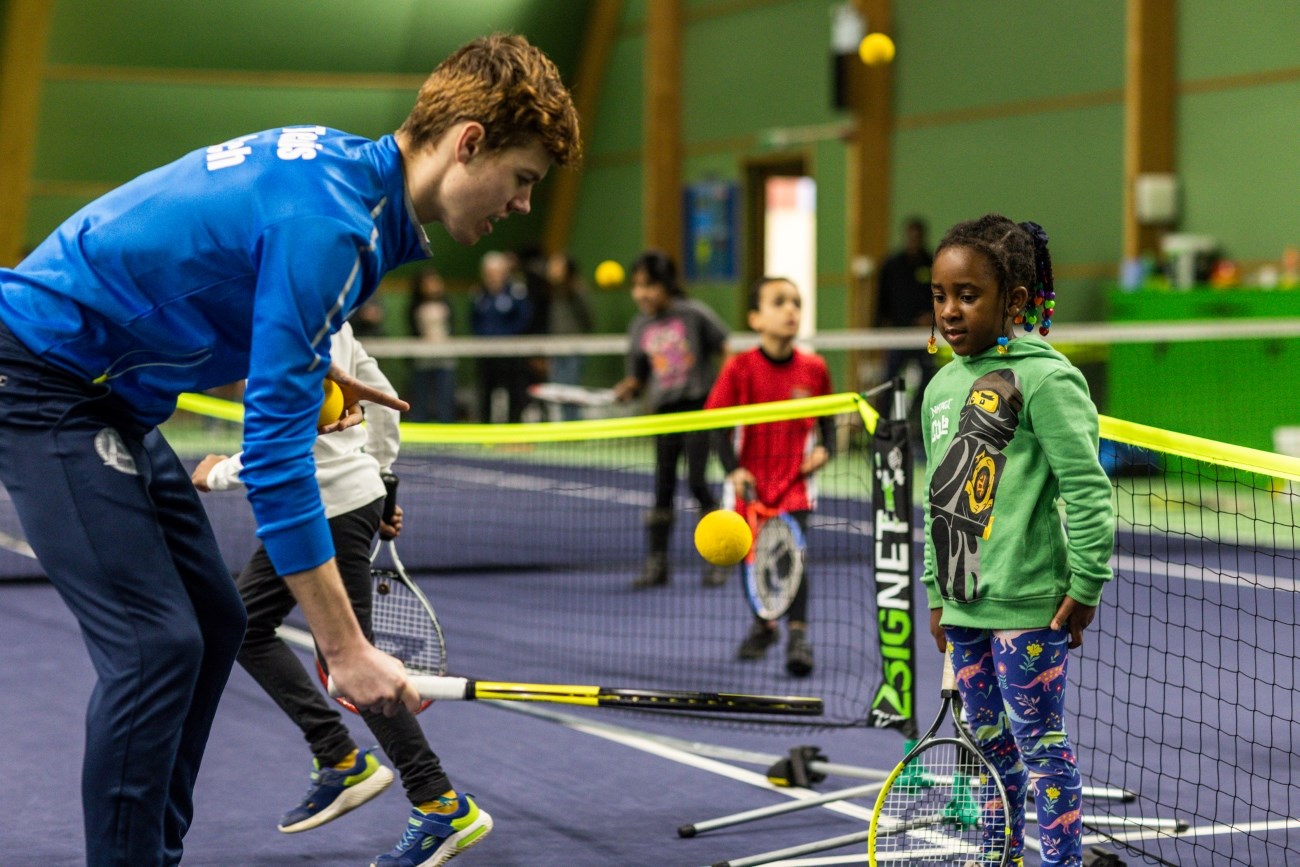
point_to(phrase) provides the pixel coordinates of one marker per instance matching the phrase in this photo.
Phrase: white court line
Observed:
(1204, 574)
(16, 545)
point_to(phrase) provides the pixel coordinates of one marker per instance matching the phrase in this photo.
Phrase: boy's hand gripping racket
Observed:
(944, 803)
(774, 565)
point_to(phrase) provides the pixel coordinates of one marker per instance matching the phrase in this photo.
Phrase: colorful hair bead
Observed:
(1002, 345)
(931, 345)
(1040, 307)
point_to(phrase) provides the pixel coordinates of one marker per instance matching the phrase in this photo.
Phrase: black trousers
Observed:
(669, 449)
(280, 672)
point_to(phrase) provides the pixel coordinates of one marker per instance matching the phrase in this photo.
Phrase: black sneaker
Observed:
(798, 654)
(760, 638)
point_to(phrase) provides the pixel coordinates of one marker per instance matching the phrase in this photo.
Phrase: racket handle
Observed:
(430, 687)
(434, 688)
(949, 684)
(390, 496)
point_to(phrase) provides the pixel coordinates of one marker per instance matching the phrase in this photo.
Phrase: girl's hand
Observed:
(940, 638)
(626, 389)
(1076, 617)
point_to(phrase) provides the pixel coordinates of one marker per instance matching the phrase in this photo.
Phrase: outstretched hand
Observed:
(355, 391)
(1074, 616)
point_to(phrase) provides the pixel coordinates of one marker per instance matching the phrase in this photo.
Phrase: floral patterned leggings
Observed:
(1012, 683)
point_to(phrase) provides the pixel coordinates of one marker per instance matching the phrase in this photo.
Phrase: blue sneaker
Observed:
(334, 792)
(432, 839)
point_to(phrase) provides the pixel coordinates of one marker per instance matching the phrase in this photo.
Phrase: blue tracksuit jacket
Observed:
(237, 260)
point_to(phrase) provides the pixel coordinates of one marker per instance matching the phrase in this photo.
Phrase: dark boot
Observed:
(760, 637)
(659, 527)
(798, 653)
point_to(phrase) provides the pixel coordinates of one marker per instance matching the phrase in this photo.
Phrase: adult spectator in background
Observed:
(568, 313)
(904, 302)
(501, 308)
(433, 379)
(529, 268)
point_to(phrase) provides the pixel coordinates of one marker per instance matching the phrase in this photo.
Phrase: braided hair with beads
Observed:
(1018, 255)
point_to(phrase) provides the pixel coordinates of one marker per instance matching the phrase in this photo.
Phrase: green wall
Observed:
(133, 84)
(1008, 105)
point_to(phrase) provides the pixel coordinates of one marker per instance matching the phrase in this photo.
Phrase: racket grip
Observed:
(390, 496)
(434, 688)
(430, 687)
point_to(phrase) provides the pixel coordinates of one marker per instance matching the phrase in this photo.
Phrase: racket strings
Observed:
(403, 627)
(942, 809)
(777, 560)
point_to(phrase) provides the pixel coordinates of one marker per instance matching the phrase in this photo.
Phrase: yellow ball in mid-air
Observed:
(723, 538)
(609, 274)
(876, 49)
(332, 407)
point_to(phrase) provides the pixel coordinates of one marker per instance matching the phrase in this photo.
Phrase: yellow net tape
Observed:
(605, 428)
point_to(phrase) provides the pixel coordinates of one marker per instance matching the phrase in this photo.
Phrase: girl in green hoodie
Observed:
(1010, 433)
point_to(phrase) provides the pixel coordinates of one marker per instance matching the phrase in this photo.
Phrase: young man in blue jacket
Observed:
(236, 261)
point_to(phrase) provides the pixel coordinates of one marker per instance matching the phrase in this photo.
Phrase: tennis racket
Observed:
(944, 803)
(576, 395)
(774, 564)
(433, 688)
(402, 620)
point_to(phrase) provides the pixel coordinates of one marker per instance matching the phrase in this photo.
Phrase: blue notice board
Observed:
(712, 219)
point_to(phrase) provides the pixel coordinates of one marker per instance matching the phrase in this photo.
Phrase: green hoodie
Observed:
(1007, 435)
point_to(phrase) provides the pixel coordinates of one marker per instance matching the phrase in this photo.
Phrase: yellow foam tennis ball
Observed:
(723, 538)
(332, 407)
(609, 274)
(876, 49)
